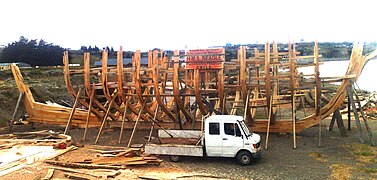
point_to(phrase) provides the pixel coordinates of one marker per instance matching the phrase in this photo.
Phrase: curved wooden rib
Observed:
(138, 87)
(69, 86)
(87, 84)
(157, 88)
(125, 99)
(177, 98)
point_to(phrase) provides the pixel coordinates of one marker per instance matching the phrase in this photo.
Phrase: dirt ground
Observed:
(337, 158)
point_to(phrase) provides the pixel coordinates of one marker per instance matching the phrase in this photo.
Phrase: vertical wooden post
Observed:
(317, 93)
(267, 76)
(68, 126)
(15, 111)
(89, 111)
(292, 89)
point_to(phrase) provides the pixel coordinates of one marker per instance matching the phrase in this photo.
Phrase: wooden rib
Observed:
(120, 78)
(157, 88)
(138, 86)
(105, 83)
(88, 87)
(175, 83)
(69, 85)
(87, 73)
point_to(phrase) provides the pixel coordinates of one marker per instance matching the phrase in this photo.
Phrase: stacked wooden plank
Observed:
(112, 159)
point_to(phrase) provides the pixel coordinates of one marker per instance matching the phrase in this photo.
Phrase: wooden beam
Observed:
(68, 127)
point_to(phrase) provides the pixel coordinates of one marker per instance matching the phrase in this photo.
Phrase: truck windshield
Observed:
(245, 128)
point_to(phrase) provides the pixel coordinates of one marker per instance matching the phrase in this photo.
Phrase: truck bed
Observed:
(174, 149)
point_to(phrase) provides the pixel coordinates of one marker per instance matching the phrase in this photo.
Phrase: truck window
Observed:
(214, 128)
(232, 129)
(238, 131)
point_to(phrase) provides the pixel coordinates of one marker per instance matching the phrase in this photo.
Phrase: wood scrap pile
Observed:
(82, 173)
(112, 159)
(371, 105)
(38, 138)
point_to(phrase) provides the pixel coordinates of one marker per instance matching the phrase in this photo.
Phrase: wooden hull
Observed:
(178, 98)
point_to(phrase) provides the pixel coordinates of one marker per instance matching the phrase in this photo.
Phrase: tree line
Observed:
(33, 52)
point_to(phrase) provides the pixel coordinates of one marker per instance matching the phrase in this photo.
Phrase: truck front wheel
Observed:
(174, 158)
(244, 158)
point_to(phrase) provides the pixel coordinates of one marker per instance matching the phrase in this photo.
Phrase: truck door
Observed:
(232, 139)
(213, 139)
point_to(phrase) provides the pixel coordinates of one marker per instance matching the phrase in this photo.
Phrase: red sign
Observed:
(205, 59)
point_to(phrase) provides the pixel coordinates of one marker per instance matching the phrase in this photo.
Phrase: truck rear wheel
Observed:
(174, 158)
(244, 158)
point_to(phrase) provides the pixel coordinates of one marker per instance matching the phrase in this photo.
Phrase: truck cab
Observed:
(228, 136)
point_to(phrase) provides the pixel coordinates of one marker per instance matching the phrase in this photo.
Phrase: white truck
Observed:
(223, 136)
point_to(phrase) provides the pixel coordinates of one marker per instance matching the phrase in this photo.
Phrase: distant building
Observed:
(5, 66)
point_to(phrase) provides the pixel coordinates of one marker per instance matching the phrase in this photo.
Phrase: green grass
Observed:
(363, 150)
(370, 170)
(364, 153)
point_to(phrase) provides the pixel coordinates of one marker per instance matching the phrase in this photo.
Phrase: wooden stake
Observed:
(15, 111)
(123, 121)
(68, 126)
(246, 105)
(104, 118)
(89, 111)
(294, 122)
(370, 135)
(339, 121)
(358, 124)
(137, 120)
(269, 119)
(349, 112)
(154, 119)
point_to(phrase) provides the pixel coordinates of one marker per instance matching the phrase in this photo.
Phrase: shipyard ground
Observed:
(338, 158)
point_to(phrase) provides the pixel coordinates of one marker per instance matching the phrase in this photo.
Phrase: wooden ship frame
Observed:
(266, 88)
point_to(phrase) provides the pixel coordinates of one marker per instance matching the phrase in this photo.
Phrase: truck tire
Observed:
(174, 158)
(244, 158)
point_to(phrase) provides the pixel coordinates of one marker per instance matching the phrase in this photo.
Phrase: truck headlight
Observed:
(256, 146)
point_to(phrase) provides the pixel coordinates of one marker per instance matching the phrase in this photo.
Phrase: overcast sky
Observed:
(148, 24)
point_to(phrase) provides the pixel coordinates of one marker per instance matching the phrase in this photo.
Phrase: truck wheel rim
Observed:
(245, 159)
